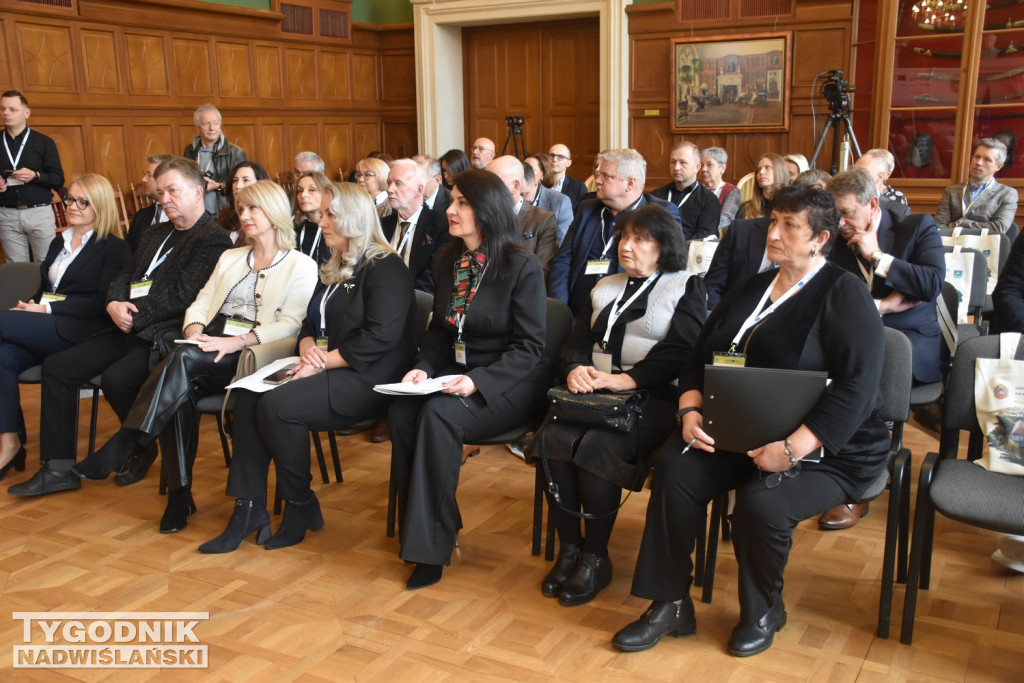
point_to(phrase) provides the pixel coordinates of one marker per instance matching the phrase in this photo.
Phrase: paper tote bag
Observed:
(999, 399)
(959, 273)
(987, 243)
(700, 252)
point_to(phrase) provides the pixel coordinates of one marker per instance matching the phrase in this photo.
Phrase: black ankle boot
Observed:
(298, 517)
(565, 565)
(591, 575)
(752, 639)
(180, 507)
(660, 619)
(246, 518)
(110, 457)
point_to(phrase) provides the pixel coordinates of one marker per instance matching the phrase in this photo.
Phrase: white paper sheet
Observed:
(254, 382)
(427, 386)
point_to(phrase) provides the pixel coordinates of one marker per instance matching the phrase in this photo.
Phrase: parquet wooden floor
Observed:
(335, 606)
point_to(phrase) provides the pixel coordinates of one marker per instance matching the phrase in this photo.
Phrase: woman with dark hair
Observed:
(453, 162)
(771, 174)
(488, 330)
(808, 315)
(639, 327)
(309, 239)
(546, 178)
(243, 174)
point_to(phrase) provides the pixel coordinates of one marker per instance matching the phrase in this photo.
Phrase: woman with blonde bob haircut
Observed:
(70, 303)
(257, 293)
(358, 332)
(372, 176)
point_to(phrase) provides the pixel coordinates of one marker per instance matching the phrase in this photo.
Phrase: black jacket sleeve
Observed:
(1008, 296)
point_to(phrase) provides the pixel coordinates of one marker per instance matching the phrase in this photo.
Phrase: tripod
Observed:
(836, 119)
(515, 135)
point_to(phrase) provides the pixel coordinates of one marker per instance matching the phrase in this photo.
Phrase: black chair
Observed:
(897, 377)
(946, 308)
(959, 489)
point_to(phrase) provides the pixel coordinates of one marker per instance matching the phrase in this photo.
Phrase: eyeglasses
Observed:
(367, 174)
(558, 157)
(478, 148)
(775, 478)
(80, 203)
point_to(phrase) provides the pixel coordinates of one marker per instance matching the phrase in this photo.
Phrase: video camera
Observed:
(515, 121)
(837, 91)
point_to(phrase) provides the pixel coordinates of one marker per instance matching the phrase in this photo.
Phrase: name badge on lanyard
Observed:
(601, 359)
(140, 288)
(460, 354)
(52, 296)
(236, 327)
(602, 265)
(15, 159)
(321, 339)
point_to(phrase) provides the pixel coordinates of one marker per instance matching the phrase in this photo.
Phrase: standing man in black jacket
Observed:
(146, 303)
(29, 170)
(214, 154)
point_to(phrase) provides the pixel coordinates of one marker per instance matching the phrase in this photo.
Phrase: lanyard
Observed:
(157, 258)
(14, 160)
(617, 310)
(460, 318)
(316, 240)
(331, 289)
(685, 197)
(964, 206)
(869, 275)
(755, 317)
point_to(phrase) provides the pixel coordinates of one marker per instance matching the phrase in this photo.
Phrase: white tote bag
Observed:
(999, 400)
(986, 243)
(700, 253)
(959, 271)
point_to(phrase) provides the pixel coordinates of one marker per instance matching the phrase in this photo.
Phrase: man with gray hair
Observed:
(436, 196)
(879, 164)
(698, 206)
(214, 154)
(587, 253)
(981, 202)
(713, 162)
(307, 162)
(416, 234)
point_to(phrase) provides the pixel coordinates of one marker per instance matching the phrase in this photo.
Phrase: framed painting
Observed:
(731, 84)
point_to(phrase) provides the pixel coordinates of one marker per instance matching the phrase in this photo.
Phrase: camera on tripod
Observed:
(514, 121)
(837, 91)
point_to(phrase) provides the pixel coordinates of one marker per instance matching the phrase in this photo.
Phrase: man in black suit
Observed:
(415, 234)
(742, 252)
(699, 209)
(587, 253)
(146, 303)
(436, 196)
(152, 214)
(903, 264)
(539, 227)
(561, 159)
(1008, 297)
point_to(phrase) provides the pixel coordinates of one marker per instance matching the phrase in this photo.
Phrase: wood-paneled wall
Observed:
(115, 80)
(822, 40)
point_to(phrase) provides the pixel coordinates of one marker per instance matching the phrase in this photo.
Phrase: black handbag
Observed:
(618, 411)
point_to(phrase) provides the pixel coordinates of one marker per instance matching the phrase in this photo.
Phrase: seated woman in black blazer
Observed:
(359, 331)
(70, 304)
(488, 330)
(309, 191)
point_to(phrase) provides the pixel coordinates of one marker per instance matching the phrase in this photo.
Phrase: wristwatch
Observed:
(876, 257)
(684, 411)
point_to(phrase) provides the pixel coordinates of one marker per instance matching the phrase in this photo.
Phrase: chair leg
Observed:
(315, 436)
(904, 529)
(277, 499)
(224, 445)
(93, 419)
(923, 513)
(726, 525)
(889, 553)
(719, 509)
(538, 511)
(392, 502)
(333, 441)
(549, 546)
(701, 550)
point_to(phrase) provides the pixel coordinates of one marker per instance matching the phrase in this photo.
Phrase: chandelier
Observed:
(940, 14)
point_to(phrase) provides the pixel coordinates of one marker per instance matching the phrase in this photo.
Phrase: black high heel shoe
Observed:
(246, 518)
(18, 462)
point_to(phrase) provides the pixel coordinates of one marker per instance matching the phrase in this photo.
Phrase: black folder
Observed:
(746, 408)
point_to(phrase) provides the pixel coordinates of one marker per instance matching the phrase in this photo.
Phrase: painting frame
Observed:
(743, 84)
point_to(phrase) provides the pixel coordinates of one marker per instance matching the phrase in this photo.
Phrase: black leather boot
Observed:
(109, 457)
(180, 507)
(660, 619)
(591, 575)
(246, 518)
(298, 517)
(565, 565)
(752, 639)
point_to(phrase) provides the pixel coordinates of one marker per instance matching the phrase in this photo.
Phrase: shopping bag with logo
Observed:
(999, 400)
(959, 271)
(987, 243)
(700, 252)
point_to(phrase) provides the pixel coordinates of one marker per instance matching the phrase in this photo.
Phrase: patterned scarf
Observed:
(466, 271)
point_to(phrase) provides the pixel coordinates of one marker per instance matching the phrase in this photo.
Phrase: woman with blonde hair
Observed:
(372, 176)
(770, 175)
(70, 303)
(309, 189)
(358, 332)
(257, 293)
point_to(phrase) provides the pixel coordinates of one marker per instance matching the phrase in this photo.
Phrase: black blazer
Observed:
(84, 284)
(430, 236)
(441, 203)
(323, 252)
(917, 272)
(699, 215)
(1008, 296)
(371, 323)
(140, 223)
(739, 255)
(505, 327)
(178, 279)
(574, 190)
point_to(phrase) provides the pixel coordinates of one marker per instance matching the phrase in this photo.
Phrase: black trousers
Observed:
(427, 435)
(25, 340)
(167, 405)
(763, 522)
(275, 426)
(123, 360)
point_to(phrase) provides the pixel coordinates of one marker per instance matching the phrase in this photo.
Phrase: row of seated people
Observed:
(632, 329)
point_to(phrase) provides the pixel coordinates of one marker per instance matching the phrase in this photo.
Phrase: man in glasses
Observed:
(481, 153)
(561, 159)
(29, 171)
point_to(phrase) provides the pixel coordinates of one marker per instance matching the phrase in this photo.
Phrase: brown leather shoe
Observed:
(381, 432)
(843, 516)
